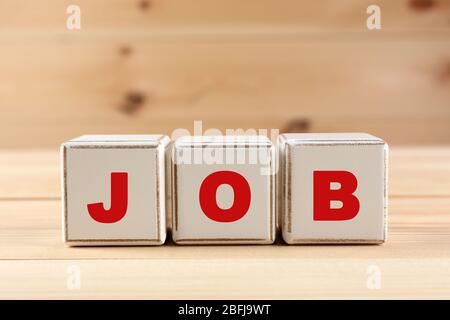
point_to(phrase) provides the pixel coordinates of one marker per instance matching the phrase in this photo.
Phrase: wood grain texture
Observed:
(414, 263)
(232, 279)
(396, 90)
(229, 16)
(139, 65)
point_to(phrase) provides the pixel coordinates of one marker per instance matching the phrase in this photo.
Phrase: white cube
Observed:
(332, 188)
(223, 190)
(114, 190)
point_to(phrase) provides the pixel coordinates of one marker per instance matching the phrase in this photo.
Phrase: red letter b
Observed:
(323, 195)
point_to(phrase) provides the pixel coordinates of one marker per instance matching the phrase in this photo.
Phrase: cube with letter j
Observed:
(114, 190)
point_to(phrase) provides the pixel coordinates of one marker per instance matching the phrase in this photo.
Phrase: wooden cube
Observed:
(223, 190)
(114, 190)
(332, 188)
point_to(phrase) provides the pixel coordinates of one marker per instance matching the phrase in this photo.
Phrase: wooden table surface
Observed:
(414, 263)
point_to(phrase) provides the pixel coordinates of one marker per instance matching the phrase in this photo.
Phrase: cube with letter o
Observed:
(223, 190)
(332, 188)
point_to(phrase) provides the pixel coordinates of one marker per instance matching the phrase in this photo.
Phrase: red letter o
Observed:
(242, 196)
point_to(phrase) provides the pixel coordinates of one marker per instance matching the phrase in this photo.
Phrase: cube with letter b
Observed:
(223, 190)
(114, 190)
(332, 188)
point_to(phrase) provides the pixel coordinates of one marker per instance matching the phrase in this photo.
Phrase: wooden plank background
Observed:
(151, 66)
(154, 66)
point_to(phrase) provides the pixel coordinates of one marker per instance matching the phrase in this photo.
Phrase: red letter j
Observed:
(119, 201)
